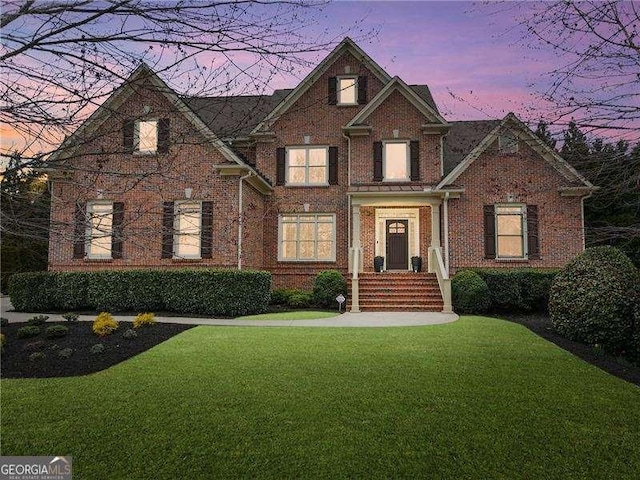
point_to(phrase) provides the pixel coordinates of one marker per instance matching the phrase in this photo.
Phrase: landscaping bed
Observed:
(50, 359)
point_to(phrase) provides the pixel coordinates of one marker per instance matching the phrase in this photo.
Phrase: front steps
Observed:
(398, 292)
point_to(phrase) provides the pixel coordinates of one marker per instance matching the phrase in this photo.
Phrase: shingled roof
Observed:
(463, 137)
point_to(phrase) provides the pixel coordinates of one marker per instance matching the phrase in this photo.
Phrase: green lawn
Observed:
(477, 398)
(299, 315)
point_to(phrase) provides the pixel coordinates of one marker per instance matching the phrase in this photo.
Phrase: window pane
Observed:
(307, 250)
(148, 136)
(395, 161)
(307, 231)
(307, 238)
(325, 232)
(101, 225)
(289, 232)
(324, 251)
(317, 156)
(297, 174)
(188, 246)
(187, 225)
(289, 250)
(509, 225)
(297, 157)
(505, 209)
(510, 247)
(347, 90)
(318, 174)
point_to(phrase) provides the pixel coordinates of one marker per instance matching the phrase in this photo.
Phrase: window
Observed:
(187, 224)
(146, 136)
(307, 165)
(99, 230)
(510, 231)
(396, 161)
(307, 237)
(347, 91)
(508, 142)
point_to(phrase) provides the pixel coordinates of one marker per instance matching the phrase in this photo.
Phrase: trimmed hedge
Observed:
(520, 290)
(594, 300)
(201, 291)
(327, 285)
(469, 292)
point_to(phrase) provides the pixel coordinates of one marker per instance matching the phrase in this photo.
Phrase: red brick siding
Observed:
(532, 181)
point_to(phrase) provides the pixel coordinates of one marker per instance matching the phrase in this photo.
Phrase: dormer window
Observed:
(347, 90)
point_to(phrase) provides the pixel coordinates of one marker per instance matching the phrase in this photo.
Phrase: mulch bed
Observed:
(541, 326)
(15, 361)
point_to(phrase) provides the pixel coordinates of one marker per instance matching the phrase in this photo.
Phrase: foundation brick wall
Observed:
(531, 180)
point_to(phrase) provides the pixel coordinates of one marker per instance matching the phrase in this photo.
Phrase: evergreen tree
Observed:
(542, 131)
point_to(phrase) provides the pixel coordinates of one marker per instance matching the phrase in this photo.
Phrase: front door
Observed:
(397, 244)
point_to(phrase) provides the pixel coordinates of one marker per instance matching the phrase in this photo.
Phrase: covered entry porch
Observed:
(388, 230)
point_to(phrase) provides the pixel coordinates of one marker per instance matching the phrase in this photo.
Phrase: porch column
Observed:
(355, 258)
(435, 233)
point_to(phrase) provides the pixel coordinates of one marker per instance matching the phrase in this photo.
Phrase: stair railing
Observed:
(444, 282)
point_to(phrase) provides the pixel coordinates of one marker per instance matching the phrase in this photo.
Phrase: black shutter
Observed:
(280, 166)
(333, 165)
(377, 161)
(167, 230)
(206, 232)
(79, 229)
(128, 127)
(333, 90)
(489, 231)
(533, 241)
(362, 90)
(414, 157)
(163, 135)
(116, 229)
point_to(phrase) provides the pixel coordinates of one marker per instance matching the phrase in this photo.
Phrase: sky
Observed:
(470, 54)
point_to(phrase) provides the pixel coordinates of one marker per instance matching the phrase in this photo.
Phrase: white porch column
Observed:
(435, 233)
(355, 258)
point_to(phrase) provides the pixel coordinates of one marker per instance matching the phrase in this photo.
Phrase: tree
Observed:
(599, 42)
(60, 60)
(542, 131)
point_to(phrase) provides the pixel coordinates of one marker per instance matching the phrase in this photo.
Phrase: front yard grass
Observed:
(478, 398)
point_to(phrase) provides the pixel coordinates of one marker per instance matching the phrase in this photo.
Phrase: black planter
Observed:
(416, 264)
(378, 263)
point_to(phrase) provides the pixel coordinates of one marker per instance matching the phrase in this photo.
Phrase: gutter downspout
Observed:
(445, 214)
(240, 220)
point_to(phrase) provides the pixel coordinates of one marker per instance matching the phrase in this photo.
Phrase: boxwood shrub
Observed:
(470, 293)
(594, 298)
(201, 291)
(518, 290)
(327, 285)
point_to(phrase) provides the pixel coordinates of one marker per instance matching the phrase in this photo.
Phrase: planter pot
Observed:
(416, 264)
(378, 263)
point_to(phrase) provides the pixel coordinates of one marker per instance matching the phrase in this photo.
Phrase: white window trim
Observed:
(136, 137)
(89, 231)
(503, 148)
(307, 260)
(384, 161)
(355, 86)
(306, 148)
(176, 234)
(523, 214)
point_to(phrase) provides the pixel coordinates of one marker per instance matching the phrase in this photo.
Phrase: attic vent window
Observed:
(508, 142)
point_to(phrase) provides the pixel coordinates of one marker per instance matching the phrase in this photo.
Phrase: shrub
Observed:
(592, 299)
(65, 352)
(4, 322)
(96, 349)
(28, 331)
(38, 320)
(3, 340)
(71, 317)
(104, 324)
(56, 331)
(33, 346)
(280, 296)
(327, 286)
(202, 291)
(129, 334)
(37, 356)
(300, 300)
(144, 319)
(470, 293)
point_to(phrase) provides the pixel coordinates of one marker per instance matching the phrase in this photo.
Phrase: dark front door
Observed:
(397, 244)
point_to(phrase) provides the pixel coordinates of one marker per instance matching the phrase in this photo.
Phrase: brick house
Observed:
(350, 165)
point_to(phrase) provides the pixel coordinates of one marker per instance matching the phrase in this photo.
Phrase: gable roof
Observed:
(347, 45)
(397, 84)
(510, 121)
(462, 138)
(424, 92)
(144, 73)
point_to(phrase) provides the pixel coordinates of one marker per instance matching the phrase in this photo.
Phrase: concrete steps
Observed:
(398, 291)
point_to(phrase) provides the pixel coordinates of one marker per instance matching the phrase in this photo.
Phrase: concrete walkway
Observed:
(365, 319)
